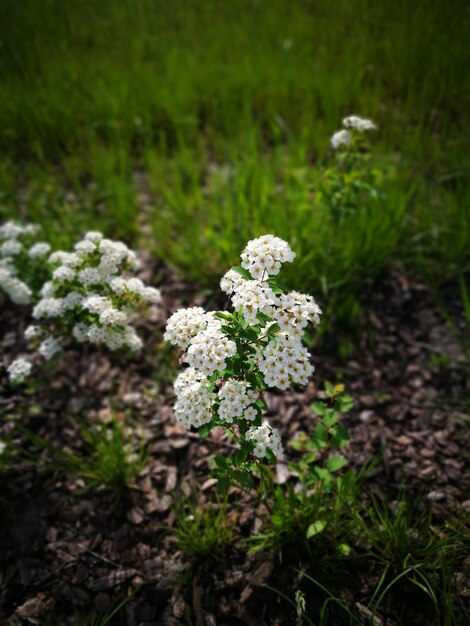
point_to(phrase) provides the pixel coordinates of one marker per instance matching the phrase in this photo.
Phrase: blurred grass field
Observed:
(216, 116)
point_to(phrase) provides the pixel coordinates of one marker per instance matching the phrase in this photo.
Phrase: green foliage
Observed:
(312, 519)
(413, 562)
(414, 554)
(226, 136)
(108, 458)
(203, 531)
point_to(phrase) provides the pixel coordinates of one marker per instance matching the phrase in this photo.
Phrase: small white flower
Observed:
(265, 437)
(65, 258)
(193, 405)
(17, 290)
(32, 332)
(80, 332)
(49, 347)
(341, 138)
(38, 250)
(152, 295)
(48, 289)
(96, 304)
(358, 123)
(63, 273)
(85, 248)
(112, 316)
(263, 256)
(93, 236)
(10, 230)
(231, 281)
(19, 370)
(11, 247)
(89, 276)
(185, 324)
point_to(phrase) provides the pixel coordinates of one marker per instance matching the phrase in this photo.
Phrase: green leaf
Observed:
(319, 436)
(330, 418)
(243, 272)
(344, 549)
(221, 461)
(263, 318)
(330, 389)
(322, 473)
(319, 408)
(344, 403)
(205, 430)
(273, 330)
(224, 316)
(240, 456)
(316, 528)
(223, 484)
(339, 437)
(335, 463)
(243, 478)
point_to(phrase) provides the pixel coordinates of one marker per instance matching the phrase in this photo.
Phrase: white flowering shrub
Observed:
(233, 357)
(23, 265)
(90, 298)
(350, 183)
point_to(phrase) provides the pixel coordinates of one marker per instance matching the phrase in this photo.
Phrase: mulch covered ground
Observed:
(66, 552)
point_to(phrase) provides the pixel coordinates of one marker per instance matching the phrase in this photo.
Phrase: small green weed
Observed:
(312, 519)
(203, 531)
(413, 553)
(108, 458)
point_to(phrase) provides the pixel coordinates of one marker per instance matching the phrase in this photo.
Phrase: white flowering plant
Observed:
(90, 298)
(351, 181)
(233, 357)
(23, 261)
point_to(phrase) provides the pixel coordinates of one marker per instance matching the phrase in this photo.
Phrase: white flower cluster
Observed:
(351, 124)
(264, 437)
(270, 353)
(236, 396)
(193, 406)
(49, 347)
(19, 370)
(184, 325)
(210, 349)
(285, 360)
(296, 310)
(357, 123)
(251, 297)
(16, 289)
(264, 256)
(12, 230)
(89, 294)
(15, 252)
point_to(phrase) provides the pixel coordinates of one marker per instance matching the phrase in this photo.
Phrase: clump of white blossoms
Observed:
(19, 370)
(354, 126)
(234, 357)
(22, 261)
(90, 298)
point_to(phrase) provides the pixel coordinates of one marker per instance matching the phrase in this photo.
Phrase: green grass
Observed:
(106, 458)
(412, 562)
(203, 530)
(225, 109)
